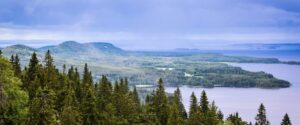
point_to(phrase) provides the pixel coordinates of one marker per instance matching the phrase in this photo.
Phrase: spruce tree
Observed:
(175, 117)
(136, 96)
(161, 103)
(41, 109)
(31, 80)
(179, 104)
(220, 115)
(104, 93)
(51, 76)
(193, 105)
(17, 66)
(12, 61)
(211, 116)
(134, 107)
(235, 119)
(88, 100)
(204, 102)
(286, 120)
(90, 114)
(77, 85)
(261, 118)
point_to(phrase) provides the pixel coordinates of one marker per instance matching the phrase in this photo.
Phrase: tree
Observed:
(261, 118)
(12, 60)
(13, 100)
(89, 108)
(17, 66)
(193, 104)
(195, 114)
(41, 109)
(136, 96)
(220, 115)
(286, 120)
(235, 119)
(160, 103)
(48, 60)
(179, 104)
(51, 76)
(211, 116)
(31, 79)
(88, 100)
(175, 116)
(1, 53)
(104, 93)
(204, 102)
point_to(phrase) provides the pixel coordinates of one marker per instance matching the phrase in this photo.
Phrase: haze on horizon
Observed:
(150, 24)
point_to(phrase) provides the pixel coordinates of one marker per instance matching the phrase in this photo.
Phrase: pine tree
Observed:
(32, 80)
(77, 85)
(286, 120)
(48, 60)
(211, 116)
(1, 53)
(134, 107)
(136, 96)
(13, 100)
(88, 100)
(220, 115)
(175, 116)
(193, 104)
(89, 108)
(204, 102)
(235, 119)
(160, 103)
(17, 66)
(12, 60)
(51, 79)
(179, 104)
(261, 118)
(41, 109)
(104, 93)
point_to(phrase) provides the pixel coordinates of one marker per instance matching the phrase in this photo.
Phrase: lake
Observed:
(247, 100)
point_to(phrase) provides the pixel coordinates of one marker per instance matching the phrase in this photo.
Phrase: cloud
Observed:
(136, 23)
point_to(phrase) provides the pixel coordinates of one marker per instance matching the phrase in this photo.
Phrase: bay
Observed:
(247, 100)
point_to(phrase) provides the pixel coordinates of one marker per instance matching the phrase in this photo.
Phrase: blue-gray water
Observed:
(246, 100)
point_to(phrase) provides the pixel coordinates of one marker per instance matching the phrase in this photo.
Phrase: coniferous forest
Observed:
(41, 94)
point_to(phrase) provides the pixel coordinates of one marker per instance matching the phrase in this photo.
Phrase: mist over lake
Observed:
(246, 100)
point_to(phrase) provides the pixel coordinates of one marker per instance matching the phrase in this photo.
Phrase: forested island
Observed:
(42, 94)
(140, 67)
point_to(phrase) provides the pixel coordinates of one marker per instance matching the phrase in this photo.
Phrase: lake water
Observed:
(247, 100)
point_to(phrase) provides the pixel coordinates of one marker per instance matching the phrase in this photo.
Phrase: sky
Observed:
(150, 24)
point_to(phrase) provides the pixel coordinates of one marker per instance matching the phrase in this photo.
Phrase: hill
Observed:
(19, 49)
(73, 47)
(177, 68)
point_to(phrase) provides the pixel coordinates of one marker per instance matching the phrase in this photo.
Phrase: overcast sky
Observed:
(150, 24)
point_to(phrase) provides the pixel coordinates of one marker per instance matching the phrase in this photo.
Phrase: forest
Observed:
(42, 94)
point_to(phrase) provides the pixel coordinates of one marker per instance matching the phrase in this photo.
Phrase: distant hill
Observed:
(104, 47)
(18, 49)
(70, 47)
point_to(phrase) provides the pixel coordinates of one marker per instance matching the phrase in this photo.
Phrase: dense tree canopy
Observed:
(13, 99)
(41, 94)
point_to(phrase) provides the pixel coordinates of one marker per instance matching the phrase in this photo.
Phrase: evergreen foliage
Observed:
(13, 100)
(41, 94)
(261, 117)
(286, 120)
